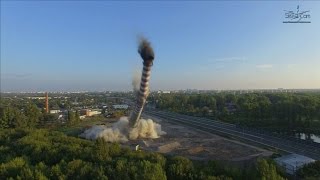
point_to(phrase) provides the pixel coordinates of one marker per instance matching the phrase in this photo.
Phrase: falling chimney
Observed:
(146, 52)
(47, 103)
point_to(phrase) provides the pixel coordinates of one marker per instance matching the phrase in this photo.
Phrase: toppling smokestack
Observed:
(47, 102)
(146, 52)
(134, 127)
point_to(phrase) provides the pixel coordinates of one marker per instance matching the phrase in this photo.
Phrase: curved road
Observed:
(287, 144)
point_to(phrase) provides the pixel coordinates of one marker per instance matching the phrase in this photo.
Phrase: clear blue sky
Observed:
(83, 45)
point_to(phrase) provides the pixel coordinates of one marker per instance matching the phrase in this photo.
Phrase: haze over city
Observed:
(70, 46)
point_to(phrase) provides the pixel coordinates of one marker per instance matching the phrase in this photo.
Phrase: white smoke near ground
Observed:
(146, 128)
(110, 134)
(120, 131)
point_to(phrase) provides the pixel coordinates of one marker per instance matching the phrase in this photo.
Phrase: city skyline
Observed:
(92, 46)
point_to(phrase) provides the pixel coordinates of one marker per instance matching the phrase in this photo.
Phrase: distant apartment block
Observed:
(37, 97)
(163, 92)
(120, 106)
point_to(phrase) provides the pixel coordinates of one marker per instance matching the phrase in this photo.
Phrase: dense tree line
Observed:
(30, 153)
(44, 154)
(29, 115)
(310, 171)
(13, 117)
(291, 111)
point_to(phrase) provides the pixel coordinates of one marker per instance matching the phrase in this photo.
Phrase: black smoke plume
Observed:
(145, 50)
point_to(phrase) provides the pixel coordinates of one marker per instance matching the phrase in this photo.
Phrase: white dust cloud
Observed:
(146, 128)
(120, 131)
(110, 134)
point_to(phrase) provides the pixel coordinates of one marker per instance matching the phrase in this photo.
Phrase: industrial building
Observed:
(293, 162)
(54, 111)
(88, 112)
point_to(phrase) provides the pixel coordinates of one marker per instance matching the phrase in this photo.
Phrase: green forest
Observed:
(45, 154)
(32, 149)
(285, 112)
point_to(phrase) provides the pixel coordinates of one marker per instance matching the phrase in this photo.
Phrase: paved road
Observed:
(287, 144)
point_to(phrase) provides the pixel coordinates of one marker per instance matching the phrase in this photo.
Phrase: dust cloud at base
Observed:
(120, 131)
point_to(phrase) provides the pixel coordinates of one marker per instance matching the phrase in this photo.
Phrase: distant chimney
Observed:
(47, 103)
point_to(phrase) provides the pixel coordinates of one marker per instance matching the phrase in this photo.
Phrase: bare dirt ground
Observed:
(197, 144)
